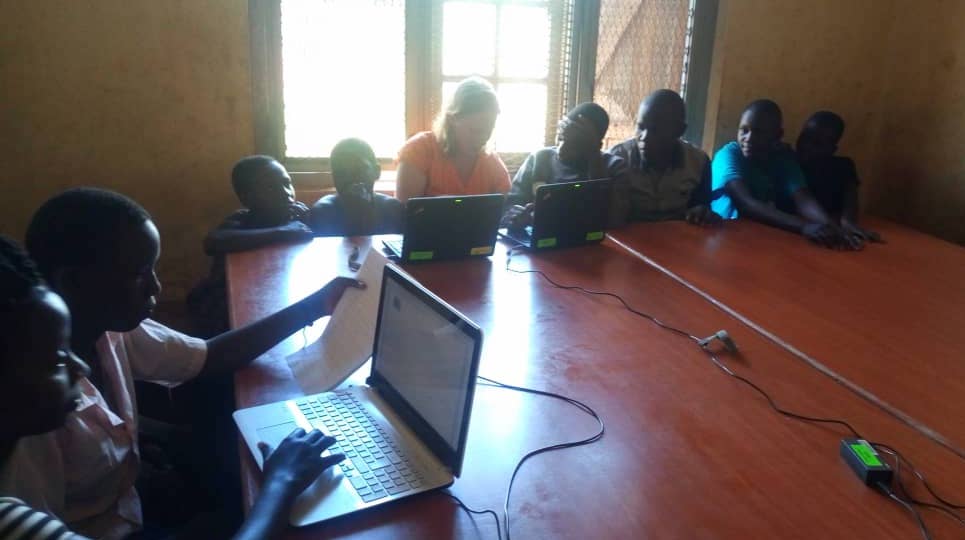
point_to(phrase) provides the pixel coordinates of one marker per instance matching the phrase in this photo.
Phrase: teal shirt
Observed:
(779, 176)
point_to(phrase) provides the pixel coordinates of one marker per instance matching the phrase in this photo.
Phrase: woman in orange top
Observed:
(453, 159)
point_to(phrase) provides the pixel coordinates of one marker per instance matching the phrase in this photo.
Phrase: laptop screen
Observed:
(424, 364)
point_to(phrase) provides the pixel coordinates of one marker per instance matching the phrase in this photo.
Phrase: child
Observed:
(751, 174)
(38, 367)
(356, 210)
(576, 157)
(98, 250)
(669, 178)
(832, 179)
(270, 216)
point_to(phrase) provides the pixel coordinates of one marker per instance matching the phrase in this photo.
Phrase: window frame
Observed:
(570, 78)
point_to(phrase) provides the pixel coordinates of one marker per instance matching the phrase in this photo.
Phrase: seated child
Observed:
(98, 250)
(355, 210)
(577, 156)
(669, 178)
(751, 174)
(38, 367)
(270, 216)
(832, 179)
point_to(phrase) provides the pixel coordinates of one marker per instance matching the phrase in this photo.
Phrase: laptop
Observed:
(440, 228)
(566, 214)
(404, 432)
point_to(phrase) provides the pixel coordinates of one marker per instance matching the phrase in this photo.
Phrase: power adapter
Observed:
(865, 461)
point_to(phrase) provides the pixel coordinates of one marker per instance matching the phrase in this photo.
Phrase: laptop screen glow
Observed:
(426, 358)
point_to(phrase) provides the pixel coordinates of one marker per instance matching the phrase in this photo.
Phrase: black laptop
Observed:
(566, 214)
(442, 228)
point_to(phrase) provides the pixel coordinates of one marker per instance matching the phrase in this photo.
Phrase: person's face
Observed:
(39, 373)
(354, 174)
(758, 134)
(816, 142)
(658, 129)
(271, 194)
(470, 132)
(577, 140)
(120, 290)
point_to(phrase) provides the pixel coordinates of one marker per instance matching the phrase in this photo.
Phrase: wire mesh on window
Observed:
(641, 48)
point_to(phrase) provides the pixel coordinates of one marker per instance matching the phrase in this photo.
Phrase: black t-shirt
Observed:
(828, 180)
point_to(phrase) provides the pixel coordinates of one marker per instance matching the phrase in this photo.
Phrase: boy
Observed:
(832, 179)
(98, 250)
(37, 367)
(355, 210)
(753, 173)
(577, 157)
(669, 178)
(270, 216)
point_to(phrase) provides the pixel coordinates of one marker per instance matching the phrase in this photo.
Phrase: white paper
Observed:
(346, 342)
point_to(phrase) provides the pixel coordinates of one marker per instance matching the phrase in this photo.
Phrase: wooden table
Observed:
(688, 453)
(890, 318)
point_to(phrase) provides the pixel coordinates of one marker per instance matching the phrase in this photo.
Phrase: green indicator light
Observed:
(545, 242)
(577, 185)
(458, 201)
(867, 455)
(598, 235)
(420, 255)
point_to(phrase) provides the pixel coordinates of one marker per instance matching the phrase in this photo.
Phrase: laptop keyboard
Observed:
(373, 462)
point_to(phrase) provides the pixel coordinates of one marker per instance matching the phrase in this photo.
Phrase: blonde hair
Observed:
(472, 95)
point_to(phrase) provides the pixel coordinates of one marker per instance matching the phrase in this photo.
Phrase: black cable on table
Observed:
(576, 403)
(945, 505)
(470, 511)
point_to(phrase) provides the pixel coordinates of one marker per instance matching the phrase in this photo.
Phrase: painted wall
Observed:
(921, 147)
(894, 69)
(151, 99)
(806, 56)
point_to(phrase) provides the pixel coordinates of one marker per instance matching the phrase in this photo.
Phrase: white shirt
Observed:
(97, 446)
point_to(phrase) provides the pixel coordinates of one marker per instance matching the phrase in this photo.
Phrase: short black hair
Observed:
(77, 226)
(665, 97)
(245, 172)
(766, 107)
(351, 147)
(829, 120)
(18, 274)
(596, 114)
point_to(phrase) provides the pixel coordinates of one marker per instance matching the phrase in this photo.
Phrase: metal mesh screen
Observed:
(642, 47)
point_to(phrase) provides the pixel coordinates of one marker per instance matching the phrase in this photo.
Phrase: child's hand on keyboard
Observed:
(297, 461)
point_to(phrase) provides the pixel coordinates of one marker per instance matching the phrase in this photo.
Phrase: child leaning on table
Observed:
(269, 215)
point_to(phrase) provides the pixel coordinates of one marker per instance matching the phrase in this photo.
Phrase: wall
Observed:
(149, 98)
(894, 69)
(921, 147)
(807, 56)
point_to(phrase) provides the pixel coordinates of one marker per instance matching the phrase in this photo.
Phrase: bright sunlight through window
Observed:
(343, 64)
(343, 67)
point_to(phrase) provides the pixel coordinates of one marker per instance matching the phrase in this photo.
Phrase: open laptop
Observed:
(405, 431)
(566, 214)
(438, 228)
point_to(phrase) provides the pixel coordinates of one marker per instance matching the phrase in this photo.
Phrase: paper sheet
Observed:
(346, 342)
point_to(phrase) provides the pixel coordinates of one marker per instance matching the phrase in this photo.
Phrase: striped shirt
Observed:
(20, 522)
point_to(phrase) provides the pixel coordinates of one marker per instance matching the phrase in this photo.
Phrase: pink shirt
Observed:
(95, 452)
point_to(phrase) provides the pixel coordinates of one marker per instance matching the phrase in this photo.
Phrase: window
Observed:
(343, 74)
(324, 70)
(642, 47)
(509, 45)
